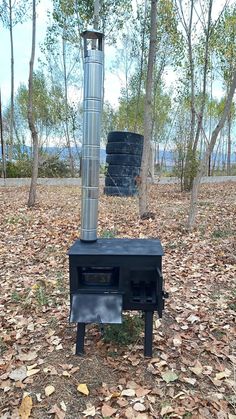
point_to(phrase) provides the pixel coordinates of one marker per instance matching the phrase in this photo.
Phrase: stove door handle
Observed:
(161, 294)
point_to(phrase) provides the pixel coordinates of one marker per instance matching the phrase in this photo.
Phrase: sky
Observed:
(22, 51)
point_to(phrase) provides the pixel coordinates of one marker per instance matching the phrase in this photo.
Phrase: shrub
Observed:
(49, 166)
(126, 333)
(52, 166)
(20, 168)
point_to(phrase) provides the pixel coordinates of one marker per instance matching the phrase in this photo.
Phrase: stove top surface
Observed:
(135, 247)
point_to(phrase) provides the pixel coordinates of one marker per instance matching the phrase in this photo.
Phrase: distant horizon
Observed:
(168, 153)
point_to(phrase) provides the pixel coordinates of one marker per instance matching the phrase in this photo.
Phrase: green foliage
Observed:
(44, 102)
(73, 16)
(52, 166)
(3, 346)
(126, 114)
(109, 117)
(60, 278)
(41, 295)
(225, 51)
(19, 12)
(49, 166)
(170, 38)
(127, 117)
(18, 169)
(16, 297)
(103, 169)
(126, 333)
(109, 234)
(179, 158)
(222, 234)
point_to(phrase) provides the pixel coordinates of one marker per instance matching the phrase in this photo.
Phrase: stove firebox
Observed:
(111, 275)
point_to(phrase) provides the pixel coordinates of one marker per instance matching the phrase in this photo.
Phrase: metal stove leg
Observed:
(80, 339)
(148, 334)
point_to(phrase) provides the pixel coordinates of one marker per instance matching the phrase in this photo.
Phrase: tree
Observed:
(45, 110)
(204, 161)
(225, 52)
(148, 112)
(199, 29)
(32, 127)
(2, 141)
(12, 13)
(63, 61)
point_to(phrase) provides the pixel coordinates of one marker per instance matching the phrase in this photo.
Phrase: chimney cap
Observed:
(92, 34)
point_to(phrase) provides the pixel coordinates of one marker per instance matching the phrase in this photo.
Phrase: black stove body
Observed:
(111, 275)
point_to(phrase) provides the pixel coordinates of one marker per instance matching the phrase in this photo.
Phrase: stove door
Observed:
(96, 308)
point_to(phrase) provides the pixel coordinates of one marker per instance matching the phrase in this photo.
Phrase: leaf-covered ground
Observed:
(192, 372)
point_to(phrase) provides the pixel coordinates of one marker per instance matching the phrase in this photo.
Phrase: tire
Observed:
(118, 136)
(115, 170)
(124, 181)
(123, 159)
(120, 191)
(124, 148)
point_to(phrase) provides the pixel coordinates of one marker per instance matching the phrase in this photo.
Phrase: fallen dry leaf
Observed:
(128, 392)
(82, 388)
(224, 374)
(31, 367)
(199, 273)
(139, 407)
(130, 413)
(49, 390)
(63, 406)
(108, 411)
(169, 376)
(25, 407)
(19, 374)
(66, 374)
(59, 414)
(177, 341)
(141, 392)
(192, 318)
(90, 410)
(188, 380)
(132, 384)
(197, 369)
(165, 410)
(32, 372)
(29, 356)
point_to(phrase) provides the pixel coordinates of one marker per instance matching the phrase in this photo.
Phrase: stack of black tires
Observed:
(124, 154)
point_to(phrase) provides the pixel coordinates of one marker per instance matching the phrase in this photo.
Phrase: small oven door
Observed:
(96, 308)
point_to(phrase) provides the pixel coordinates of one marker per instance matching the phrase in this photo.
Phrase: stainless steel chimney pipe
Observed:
(92, 110)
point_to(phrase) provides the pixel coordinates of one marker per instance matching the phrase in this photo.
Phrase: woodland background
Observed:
(192, 372)
(195, 45)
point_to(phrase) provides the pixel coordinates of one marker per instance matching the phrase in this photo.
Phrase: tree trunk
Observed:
(191, 154)
(188, 161)
(141, 70)
(209, 149)
(10, 152)
(152, 161)
(204, 84)
(229, 146)
(71, 159)
(148, 112)
(2, 142)
(34, 134)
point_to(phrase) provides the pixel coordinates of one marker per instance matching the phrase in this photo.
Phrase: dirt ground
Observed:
(192, 373)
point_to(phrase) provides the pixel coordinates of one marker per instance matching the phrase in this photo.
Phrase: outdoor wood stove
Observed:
(107, 275)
